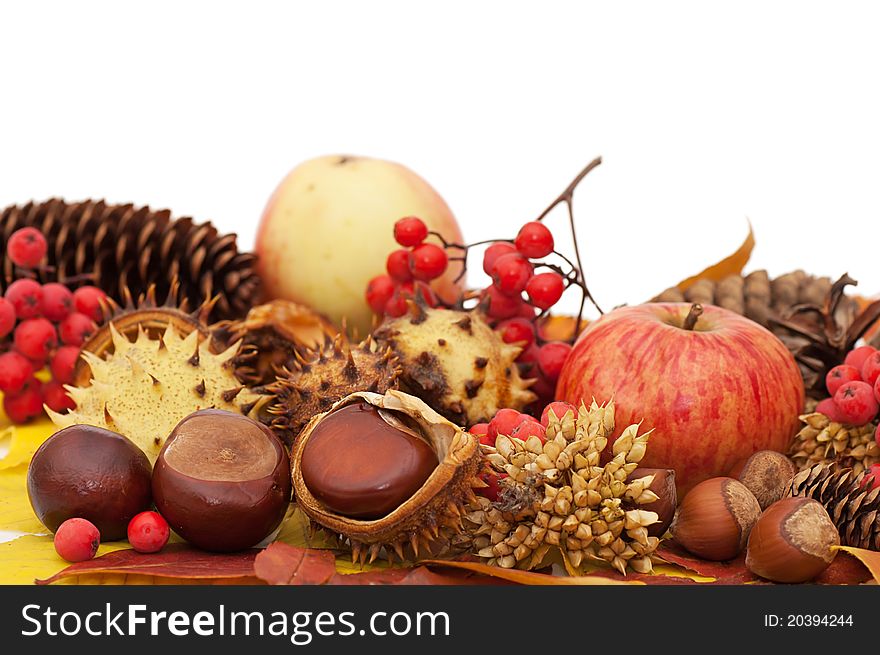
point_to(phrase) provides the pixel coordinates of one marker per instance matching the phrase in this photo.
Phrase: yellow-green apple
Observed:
(328, 229)
(714, 386)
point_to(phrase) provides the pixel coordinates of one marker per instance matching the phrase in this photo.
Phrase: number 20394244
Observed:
(808, 620)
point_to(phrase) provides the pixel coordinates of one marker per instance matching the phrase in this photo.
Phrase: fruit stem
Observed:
(691, 320)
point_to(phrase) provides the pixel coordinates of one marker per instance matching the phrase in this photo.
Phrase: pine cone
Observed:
(823, 441)
(122, 248)
(854, 510)
(558, 495)
(812, 316)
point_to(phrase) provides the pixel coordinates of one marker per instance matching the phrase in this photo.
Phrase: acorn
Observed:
(766, 474)
(667, 499)
(793, 541)
(715, 519)
(386, 475)
(222, 481)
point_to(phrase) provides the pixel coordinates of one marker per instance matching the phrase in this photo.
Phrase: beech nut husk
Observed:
(427, 521)
(793, 541)
(766, 474)
(667, 497)
(715, 518)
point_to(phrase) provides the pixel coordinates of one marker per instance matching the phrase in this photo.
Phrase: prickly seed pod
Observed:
(316, 379)
(715, 518)
(270, 335)
(456, 363)
(767, 474)
(793, 541)
(662, 485)
(404, 523)
(144, 387)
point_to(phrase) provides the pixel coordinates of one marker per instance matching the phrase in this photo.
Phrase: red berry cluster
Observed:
(410, 269)
(516, 425)
(855, 389)
(519, 293)
(48, 324)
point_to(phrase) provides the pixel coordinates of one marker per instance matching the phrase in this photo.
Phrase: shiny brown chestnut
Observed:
(793, 541)
(715, 518)
(364, 462)
(667, 497)
(766, 474)
(91, 473)
(222, 481)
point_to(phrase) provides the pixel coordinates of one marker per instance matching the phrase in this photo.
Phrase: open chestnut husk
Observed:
(386, 472)
(222, 481)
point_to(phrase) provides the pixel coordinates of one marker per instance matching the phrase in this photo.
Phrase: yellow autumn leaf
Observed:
(870, 558)
(15, 509)
(731, 265)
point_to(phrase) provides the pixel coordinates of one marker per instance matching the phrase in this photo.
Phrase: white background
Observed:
(704, 115)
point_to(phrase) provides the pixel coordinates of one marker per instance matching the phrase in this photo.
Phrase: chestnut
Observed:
(667, 498)
(793, 541)
(715, 518)
(90, 473)
(364, 462)
(766, 474)
(222, 481)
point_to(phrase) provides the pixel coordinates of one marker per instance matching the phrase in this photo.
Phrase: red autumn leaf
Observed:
(175, 561)
(732, 572)
(845, 569)
(283, 564)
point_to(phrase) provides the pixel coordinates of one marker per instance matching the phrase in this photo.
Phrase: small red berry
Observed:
(552, 357)
(379, 292)
(504, 422)
(877, 389)
(396, 306)
(410, 231)
(857, 356)
(26, 404)
(57, 301)
(498, 304)
(559, 408)
(829, 408)
(56, 398)
(63, 364)
(427, 261)
(26, 296)
(397, 265)
(534, 240)
(545, 289)
(856, 403)
(528, 361)
(481, 430)
(15, 370)
(840, 374)
(517, 330)
(90, 300)
(493, 488)
(493, 252)
(27, 247)
(530, 428)
(872, 478)
(511, 272)
(7, 317)
(35, 338)
(75, 329)
(77, 540)
(871, 368)
(148, 532)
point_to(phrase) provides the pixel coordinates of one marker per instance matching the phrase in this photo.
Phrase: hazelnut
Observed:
(667, 499)
(715, 518)
(766, 474)
(793, 541)
(363, 462)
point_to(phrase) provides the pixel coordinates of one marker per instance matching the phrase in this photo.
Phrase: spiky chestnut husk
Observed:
(318, 378)
(456, 363)
(146, 386)
(429, 522)
(270, 335)
(145, 314)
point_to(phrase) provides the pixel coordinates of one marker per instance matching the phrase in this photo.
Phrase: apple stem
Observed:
(691, 320)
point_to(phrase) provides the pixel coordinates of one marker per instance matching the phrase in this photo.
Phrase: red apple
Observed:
(713, 394)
